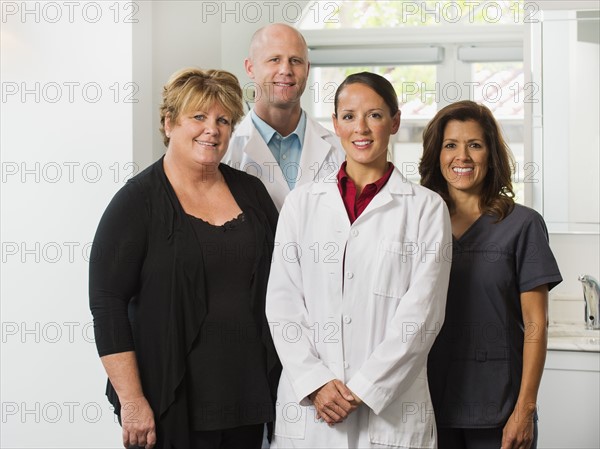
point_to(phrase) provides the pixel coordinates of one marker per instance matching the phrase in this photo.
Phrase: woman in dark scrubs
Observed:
(487, 362)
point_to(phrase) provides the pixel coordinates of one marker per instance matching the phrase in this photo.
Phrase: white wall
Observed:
(570, 155)
(570, 118)
(64, 154)
(180, 37)
(63, 159)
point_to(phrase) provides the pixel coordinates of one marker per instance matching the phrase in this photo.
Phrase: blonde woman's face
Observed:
(200, 137)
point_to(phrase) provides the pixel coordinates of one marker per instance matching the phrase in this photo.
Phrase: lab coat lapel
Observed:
(314, 151)
(331, 197)
(396, 185)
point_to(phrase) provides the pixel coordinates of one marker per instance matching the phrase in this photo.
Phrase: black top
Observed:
(148, 287)
(229, 341)
(476, 362)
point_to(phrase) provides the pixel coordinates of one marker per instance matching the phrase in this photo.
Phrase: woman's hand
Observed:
(137, 417)
(334, 402)
(518, 431)
(137, 420)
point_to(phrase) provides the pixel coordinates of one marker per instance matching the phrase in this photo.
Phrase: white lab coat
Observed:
(361, 303)
(322, 154)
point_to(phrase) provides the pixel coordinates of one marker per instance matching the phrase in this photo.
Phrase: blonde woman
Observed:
(178, 286)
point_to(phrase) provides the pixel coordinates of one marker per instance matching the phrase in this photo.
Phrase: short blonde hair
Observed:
(193, 89)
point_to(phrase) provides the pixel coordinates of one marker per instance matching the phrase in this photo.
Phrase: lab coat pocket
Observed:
(290, 420)
(409, 421)
(393, 267)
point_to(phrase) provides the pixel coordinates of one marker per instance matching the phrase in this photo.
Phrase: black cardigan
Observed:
(147, 287)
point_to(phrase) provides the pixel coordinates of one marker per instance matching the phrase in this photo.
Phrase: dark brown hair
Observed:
(497, 192)
(378, 83)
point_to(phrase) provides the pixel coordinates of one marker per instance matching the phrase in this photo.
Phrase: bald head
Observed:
(277, 32)
(278, 64)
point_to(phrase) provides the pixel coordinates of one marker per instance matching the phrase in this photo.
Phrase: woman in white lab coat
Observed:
(357, 290)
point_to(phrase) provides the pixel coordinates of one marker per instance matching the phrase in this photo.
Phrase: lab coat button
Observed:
(347, 319)
(349, 275)
(346, 365)
(354, 232)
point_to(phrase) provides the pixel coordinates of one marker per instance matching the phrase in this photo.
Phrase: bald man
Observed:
(277, 141)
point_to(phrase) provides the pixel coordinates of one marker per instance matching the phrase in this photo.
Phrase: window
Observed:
(500, 86)
(431, 63)
(414, 97)
(390, 14)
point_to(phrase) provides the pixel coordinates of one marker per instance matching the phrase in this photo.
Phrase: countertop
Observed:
(573, 337)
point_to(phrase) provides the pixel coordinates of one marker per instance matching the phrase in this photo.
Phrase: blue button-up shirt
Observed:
(286, 150)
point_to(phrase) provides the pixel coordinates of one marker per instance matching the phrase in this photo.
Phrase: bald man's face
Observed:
(278, 63)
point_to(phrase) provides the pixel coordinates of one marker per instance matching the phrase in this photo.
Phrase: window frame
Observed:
(497, 42)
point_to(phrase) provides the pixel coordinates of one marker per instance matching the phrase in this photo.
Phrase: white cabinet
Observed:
(569, 401)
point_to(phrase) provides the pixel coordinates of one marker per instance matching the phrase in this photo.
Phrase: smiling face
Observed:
(464, 157)
(364, 124)
(200, 137)
(278, 63)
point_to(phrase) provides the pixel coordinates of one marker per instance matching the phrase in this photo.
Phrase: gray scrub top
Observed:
(476, 362)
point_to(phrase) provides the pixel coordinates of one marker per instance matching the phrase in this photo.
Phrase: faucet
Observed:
(591, 294)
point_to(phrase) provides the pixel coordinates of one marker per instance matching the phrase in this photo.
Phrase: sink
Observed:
(573, 337)
(572, 330)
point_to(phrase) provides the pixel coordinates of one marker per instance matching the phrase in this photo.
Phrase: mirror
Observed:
(569, 113)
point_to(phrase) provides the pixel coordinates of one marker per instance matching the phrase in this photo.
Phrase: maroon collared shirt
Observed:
(355, 206)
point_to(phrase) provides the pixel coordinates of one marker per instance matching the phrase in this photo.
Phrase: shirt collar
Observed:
(343, 177)
(266, 131)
